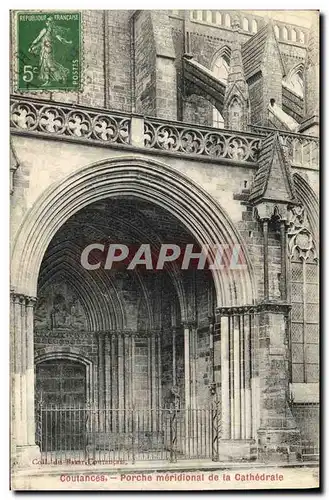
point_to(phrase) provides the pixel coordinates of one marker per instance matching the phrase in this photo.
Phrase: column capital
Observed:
(274, 307)
(266, 210)
(284, 223)
(264, 306)
(232, 310)
(189, 324)
(129, 333)
(17, 298)
(22, 298)
(30, 301)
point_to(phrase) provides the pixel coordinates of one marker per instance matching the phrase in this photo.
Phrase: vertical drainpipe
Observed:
(265, 264)
(106, 59)
(133, 65)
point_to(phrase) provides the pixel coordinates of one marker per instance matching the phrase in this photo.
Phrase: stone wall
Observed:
(119, 67)
(145, 57)
(132, 61)
(58, 159)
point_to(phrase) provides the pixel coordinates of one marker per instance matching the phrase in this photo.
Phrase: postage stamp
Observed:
(49, 51)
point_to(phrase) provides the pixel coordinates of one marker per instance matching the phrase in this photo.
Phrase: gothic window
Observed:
(218, 18)
(304, 300)
(301, 37)
(195, 14)
(204, 15)
(213, 17)
(217, 119)
(284, 33)
(254, 26)
(293, 35)
(235, 115)
(227, 20)
(220, 68)
(305, 153)
(295, 79)
(277, 31)
(245, 24)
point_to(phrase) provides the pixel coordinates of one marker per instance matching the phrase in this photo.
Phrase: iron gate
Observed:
(85, 433)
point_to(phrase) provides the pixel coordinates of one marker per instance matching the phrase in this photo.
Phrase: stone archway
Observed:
(138, 178)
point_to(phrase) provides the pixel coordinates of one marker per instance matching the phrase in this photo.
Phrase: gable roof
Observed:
(273, 179)
(253, 51)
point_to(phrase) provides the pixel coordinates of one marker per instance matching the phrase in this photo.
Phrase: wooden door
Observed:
(61, 385)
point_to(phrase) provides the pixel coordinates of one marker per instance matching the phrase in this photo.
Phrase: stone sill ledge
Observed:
(305, 393)
(158, 466)
(140, 150)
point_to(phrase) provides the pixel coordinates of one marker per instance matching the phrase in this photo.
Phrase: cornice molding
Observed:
(268, 306)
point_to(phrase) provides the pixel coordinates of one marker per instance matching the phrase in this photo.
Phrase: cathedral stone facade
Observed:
(192, 127)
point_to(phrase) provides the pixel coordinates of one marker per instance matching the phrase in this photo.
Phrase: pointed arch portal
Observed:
(148, 180)
(139, 333)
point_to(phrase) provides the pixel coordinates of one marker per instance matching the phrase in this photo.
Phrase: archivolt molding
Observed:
(52, 352)
(102, 313)
(135, 177)
(224, 52)
(300, 237)
(309, 199)
(173, 270)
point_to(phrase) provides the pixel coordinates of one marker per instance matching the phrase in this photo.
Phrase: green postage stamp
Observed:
(49, 51)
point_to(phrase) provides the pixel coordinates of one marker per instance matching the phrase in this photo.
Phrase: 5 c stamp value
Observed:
(49, 51)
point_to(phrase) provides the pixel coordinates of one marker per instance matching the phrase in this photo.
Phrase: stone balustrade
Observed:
(192, 139)
(249, 24)
(46, 117)
(301, 150)
(51, 119)
(100, 126)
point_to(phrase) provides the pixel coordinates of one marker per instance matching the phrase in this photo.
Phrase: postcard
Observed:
(164, 169)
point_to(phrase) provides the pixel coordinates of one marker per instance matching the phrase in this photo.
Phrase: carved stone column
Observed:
(265, 263)
(174, 381)
(236, 325)
(247, 326)
(101, 379)
(284, 256)
(225, 377)
(159, 370)
(190, 363)
(108, 371)
(121, 380)
(278, 434)
(193, 354)
(214, 354)
(30, 414)
(187, 370)
(154, 379)
(114, 374)
(22, 364)
(101, 370)
(132, 369)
